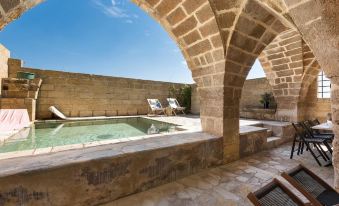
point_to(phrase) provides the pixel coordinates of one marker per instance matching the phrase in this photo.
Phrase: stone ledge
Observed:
(28, 164)
(105, 173)
(250, 129)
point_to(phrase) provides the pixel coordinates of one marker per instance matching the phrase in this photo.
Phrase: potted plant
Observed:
(267, 99)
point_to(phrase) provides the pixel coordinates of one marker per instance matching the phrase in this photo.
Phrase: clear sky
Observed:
(106, 37)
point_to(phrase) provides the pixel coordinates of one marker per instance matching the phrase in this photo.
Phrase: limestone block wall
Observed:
(78, 94)
(252, 91)
(311, 107)
(4, 55)
(314, 107)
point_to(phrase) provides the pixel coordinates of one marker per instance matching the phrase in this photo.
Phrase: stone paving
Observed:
(228, 184)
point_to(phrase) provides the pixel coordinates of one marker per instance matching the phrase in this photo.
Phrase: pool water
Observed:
(51, 134)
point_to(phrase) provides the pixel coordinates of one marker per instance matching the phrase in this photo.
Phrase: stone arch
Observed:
(219, 48)
(311, 71)
(221, 40)
(192, 25)
(246, 27)
(288, 64)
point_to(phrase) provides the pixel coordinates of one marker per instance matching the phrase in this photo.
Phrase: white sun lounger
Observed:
(155, 106)
(175, 106)
(59, 114)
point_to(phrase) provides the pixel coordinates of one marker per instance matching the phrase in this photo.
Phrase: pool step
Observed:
(269, 133)
(273, 142)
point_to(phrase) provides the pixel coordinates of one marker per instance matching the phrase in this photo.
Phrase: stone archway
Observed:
(218, 46)
(221, 40)
(290, 67)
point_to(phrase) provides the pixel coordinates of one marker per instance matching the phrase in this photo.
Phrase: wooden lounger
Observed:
(274, 193)
(311, 186)
(155, 107)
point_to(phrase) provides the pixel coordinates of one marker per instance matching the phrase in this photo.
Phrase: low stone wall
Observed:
(255, 113)
(252, 141)
(78, 95)
(100, 174)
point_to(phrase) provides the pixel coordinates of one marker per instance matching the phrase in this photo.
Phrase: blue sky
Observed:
(106, 37)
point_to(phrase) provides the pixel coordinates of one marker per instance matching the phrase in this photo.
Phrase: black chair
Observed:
(300, 149)
(315, 123)
(315, 133)
(274, 193)
(307, 141)
(328, 139)
(311, 186)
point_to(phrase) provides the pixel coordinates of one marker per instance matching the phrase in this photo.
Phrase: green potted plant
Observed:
(267, 99)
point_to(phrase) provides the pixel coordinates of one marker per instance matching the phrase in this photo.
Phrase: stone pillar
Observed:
(335, 118)
(211, 109)
(4, 55)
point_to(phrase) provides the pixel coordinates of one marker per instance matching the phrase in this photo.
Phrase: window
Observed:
(324, 86)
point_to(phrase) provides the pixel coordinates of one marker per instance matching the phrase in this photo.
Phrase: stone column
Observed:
(335, 118)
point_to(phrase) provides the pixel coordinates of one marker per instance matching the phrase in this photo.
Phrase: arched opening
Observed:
(220, 41)
(131, 43)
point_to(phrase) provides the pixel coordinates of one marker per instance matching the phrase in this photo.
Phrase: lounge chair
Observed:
(59, 114)
(175, 106)
(311, 186)
(155, 107)
(274, 193)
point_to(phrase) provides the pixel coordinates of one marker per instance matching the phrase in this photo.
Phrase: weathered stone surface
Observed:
(252, 142)
(88, 93)
(9, 4)
(105, 173)
(232, 182)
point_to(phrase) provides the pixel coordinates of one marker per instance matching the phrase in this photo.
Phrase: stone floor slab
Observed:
(226, 185)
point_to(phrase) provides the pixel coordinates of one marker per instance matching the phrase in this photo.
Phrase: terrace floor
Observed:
(192, 122)
(228, 184)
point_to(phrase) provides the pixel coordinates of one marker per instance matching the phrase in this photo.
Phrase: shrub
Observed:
(183, 94)
(267, 99)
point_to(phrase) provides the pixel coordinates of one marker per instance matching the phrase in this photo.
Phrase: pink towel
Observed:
(13, 119)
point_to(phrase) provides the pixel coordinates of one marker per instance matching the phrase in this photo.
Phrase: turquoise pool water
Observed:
(44, 135)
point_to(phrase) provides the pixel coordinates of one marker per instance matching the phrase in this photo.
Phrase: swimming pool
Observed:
(53, 134)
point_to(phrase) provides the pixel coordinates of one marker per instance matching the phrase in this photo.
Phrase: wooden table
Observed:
(324, 126)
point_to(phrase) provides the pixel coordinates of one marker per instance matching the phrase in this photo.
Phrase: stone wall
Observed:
(314, 107)
(252, 91)
(311, 107)
(81, 95)
(4, 55)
